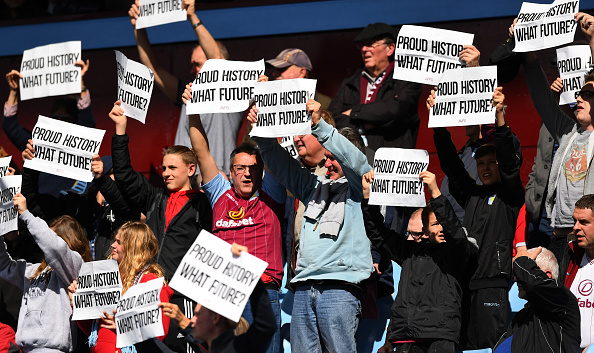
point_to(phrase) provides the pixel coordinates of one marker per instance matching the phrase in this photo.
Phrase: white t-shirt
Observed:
(583, 289)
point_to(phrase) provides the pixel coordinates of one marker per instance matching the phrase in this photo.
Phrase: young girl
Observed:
(134, 248)
(44, 318)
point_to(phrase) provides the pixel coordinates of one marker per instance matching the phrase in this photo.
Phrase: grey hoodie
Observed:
(44, 319)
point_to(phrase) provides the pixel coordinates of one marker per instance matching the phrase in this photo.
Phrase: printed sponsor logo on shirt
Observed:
(234, 223)
(235, 215)
(585, 287)
(491, 304)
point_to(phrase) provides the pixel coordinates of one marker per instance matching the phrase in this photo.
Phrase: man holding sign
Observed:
(491, 215)
(427, 310)
(334, 255)
(383, 109)
(221, 128)
(248, 210)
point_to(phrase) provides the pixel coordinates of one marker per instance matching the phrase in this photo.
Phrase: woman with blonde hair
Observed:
(44, 318)
(134, 248)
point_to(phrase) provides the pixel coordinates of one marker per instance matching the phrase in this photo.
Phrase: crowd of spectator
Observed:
(311, 221)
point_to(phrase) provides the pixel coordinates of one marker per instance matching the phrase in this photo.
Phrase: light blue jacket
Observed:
(346, 257)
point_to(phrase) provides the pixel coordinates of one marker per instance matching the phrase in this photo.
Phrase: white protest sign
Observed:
(49, 70)
(5, 163)
(573, 63)
(288, 144)
(224, 86)
(159, 12)
(542, 26)
(282, 107)
(210, 275)
(397, 181)
(422, 54)
(139, 318)
(135, 86)
(99, 289)
(9, 216)
(64, 149)
(464, 97)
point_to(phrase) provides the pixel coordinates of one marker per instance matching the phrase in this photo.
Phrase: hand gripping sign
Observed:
(212, 276)
(5, 163)
(542, 26)
(139, 317)
(159, 12)
(135, 87)
(224, 86)
(282, 107)
(422, 54)
(573, 63)
(64, 149)
(99, 288)
(397, 181)
(464, 97)
(49, 70)
(9, 216)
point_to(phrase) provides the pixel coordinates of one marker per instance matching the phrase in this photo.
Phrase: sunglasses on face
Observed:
(414, 234)
(585, 94)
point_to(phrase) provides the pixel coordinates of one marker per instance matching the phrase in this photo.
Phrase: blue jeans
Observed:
(329, 312)
(275, 345)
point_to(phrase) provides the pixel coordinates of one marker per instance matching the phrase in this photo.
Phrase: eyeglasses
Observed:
(240, 169)
(585, 94)
(414, 234)
(371, 45)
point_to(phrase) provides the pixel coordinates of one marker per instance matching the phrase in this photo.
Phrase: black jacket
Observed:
(429, 299)
(185, 226)
(390, 121)
(550, 322)
(491, 211)
(98, 221)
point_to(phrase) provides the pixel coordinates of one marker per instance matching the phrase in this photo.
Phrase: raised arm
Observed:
(206, 163)
(86, 117)
(133, 185)
(15, 132)
(64, 261)
(164, 80)
(509, 163)
(205, 39)
(387, 241)
(586, 24)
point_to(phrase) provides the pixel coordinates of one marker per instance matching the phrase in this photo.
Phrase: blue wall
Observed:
(260, 21)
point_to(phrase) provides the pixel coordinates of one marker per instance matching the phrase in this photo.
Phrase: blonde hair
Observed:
(140, 247)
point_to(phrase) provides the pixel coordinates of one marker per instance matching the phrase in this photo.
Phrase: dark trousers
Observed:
(179, 345)
(488, 317)
(435, 346)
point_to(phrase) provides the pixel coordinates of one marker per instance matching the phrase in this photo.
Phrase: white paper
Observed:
(49, 71)
(135, 86)
(573, 63)
(99, 289)
(138, 317)
(64, 149)
(282, 107)
(464, 97)
(4, 164)
(9, 216)
(397, 181)
(224, 86)
(210, 275)
(422, 53)
(159, 12)
(542, 26)
(288, 144)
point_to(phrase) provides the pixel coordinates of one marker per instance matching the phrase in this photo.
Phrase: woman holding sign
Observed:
(44, 317)
(134, 248)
